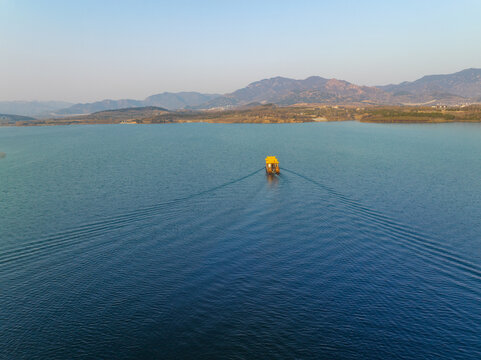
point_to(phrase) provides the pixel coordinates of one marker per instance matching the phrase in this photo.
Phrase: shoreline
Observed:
(268, 114)
(249, 123)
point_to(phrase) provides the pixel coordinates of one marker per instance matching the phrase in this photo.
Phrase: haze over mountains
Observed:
(451, 89)
(45, 109)
(168, 100)
(32, 108)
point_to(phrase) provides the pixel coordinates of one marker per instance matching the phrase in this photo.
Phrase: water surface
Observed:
(169, 241)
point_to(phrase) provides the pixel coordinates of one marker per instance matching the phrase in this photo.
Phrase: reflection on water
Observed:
(272, 180)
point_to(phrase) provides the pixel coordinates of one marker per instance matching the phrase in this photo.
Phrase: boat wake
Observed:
(418, 243)
(421, 244)
(16, 255)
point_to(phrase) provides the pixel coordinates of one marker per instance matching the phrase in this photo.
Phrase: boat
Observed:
(272, 165)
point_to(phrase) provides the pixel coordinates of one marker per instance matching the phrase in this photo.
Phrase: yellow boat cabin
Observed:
(272, 165)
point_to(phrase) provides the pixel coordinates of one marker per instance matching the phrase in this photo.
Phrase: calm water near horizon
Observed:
(169, 242)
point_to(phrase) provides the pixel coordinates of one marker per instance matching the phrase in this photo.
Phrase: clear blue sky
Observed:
(91, 50)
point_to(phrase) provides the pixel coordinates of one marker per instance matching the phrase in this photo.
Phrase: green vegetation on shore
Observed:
(273, 114)
(422, 114)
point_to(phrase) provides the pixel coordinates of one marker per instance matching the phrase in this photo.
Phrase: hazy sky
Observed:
(91, 50)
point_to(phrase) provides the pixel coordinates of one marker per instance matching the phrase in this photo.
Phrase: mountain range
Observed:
(285, 91)
(458, 88)
(450, 89)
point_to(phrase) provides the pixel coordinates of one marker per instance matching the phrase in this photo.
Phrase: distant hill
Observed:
(464, 84)
(167, 100)
(32, 108)
(129, 112)
(11, 119)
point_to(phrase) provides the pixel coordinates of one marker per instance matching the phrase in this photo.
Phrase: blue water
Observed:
(169, 242)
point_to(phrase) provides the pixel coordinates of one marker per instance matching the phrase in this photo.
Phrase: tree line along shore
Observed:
(267, 114)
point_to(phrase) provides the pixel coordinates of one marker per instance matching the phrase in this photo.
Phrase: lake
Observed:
(169, 241)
